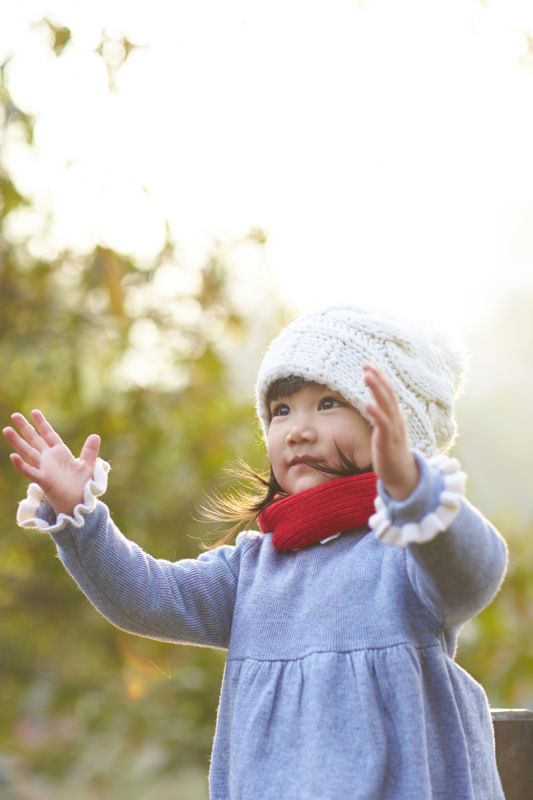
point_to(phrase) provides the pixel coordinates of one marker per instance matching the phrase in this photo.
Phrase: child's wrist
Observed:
(67, 510)
(403, 488)
(62, 505)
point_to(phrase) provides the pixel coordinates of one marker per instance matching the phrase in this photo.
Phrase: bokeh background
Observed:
(177, 179)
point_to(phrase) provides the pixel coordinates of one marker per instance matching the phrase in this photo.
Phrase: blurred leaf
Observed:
(10, 197)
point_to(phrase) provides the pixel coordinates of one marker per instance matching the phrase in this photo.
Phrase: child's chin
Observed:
(309, 482)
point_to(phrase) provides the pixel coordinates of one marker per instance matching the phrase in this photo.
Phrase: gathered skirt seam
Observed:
(338, 652)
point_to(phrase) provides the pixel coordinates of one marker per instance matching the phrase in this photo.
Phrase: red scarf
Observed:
(315, 514)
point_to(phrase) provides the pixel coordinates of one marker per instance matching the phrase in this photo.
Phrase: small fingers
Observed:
(376, 413)
(382, 420)
(90, 449)
(28, 431)
(45, 429)
(375, 376)
(28, 453)
(25, 469)
(380, 387)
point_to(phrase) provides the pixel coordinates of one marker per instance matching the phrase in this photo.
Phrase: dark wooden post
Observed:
(513, 732)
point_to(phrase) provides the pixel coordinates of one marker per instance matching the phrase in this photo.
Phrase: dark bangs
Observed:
(286, 387)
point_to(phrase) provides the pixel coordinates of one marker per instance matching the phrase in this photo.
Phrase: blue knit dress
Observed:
(340, 682)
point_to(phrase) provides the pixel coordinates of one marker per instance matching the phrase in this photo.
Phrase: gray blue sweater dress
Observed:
(340, 682)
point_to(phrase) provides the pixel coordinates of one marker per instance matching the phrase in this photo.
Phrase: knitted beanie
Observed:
(329, 346)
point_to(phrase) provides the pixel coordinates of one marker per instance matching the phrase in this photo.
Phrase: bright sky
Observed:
(385, 146)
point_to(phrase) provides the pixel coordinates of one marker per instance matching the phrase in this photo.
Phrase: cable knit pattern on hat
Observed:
(330, 346)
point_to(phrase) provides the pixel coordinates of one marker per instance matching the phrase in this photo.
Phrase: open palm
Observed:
(43, 457)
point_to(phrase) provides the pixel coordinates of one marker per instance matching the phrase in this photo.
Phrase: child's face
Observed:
(310, 426)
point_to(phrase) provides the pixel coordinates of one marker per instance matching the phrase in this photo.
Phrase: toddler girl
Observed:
(340, 620)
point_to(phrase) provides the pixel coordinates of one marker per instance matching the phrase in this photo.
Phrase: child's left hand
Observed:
(392, 459)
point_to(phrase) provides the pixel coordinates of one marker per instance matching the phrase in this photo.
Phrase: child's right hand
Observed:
(42, 457)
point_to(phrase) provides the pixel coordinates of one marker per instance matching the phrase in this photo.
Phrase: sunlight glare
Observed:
(384, 147)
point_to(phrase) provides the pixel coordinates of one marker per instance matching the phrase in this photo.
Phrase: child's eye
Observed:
(330, 402)
(281, 410)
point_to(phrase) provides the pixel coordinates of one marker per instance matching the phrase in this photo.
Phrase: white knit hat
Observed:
(329, 346)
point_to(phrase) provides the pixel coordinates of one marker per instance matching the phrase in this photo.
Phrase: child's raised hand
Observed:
(42, 457)
(392, 458)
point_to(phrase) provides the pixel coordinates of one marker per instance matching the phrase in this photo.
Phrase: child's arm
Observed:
(188, 601)
(457, 559)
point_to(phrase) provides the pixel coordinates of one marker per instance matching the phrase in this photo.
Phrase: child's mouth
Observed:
(303, 462)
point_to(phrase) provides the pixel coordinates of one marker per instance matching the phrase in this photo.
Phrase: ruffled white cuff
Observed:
(434, 522)
(95, 486)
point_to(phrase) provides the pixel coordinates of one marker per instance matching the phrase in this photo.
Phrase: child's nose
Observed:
(301, 430)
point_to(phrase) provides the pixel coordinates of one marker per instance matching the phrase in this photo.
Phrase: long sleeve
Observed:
(458, 571)
(189, 601)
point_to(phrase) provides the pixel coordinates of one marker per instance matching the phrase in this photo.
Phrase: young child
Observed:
(340, 621)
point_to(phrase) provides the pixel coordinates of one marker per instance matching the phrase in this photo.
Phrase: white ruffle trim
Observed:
(433, 523)
(95, 486)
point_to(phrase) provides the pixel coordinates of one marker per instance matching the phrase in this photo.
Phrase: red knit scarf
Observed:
(315, 514)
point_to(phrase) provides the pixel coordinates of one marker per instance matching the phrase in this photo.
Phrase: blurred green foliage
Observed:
(89, 711)
(496, 647)
(494, 447)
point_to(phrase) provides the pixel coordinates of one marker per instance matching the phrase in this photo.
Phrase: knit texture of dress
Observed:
(340, 682)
